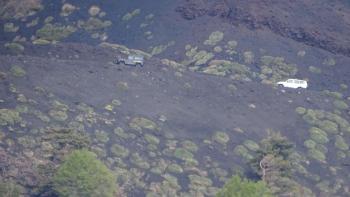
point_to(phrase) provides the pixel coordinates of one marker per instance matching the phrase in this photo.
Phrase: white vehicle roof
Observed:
(297, 80)
(135, 57)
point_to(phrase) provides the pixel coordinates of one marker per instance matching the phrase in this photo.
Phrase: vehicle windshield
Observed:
(133, 57)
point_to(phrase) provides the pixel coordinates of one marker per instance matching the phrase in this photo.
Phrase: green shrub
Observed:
(341, 105)
(10, 189)
(242, 151)
(139, 123)
(316, 154)
(9, 117)
(251, 145)
(312, 116)
(93, 24)
(41, 42)
(10, 27)
(190, 146)
(55, 32)
(314, 69)
(328, 126)
(221, 137)
(343, 86)
(322, 148)
(309, 144)
(183, 154)
(300, 110)
(318, 135)
(336, 95)
(151, 139)
(14, 47)
(130, 15)
(343, 123)
(237, 187)
(214, 38)
(82, 174)
(340, 143)
(119, 151)
(341, 155)
(62, 137)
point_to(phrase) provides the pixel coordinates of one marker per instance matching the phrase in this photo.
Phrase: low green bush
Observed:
(10, 189)
(341, 105)
(82, 174)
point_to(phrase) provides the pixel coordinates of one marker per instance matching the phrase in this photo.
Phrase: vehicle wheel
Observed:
(280, 85)
(138, 64)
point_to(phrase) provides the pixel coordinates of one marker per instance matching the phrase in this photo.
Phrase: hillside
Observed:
(194, 114)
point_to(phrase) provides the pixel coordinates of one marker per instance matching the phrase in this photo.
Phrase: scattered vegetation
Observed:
(231, 47)
(94, 24)
(138, 161)
(121, 85)
(214, 38)
(17, 71)
(94, 10)
(318, 135)
(197, 57)
(341, 105)
(54, 32)
(251, 145)
(16, 9)
(14, 47)
(315, 70)
(10, 27)
(159, 49)
(243, 152)
(340, 143)
(221, 137)
(9, 117)
(248, 57)
(66, 138)
(225, 67)
(41, 42)
(139, 123)
(316, 154)
(67, 9)
(182, 153)
(274, 69)
(128, 16)
(300, 110)
(170, 158)
(301, 53)
(329, 61)
(119, 151)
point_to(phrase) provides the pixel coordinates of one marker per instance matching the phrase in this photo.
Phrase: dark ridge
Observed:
(323, 24)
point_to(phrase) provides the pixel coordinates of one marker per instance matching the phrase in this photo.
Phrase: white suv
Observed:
(293, 83)
(132, 60)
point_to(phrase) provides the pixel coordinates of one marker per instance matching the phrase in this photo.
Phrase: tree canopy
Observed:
(237, 187)
(82, 174)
